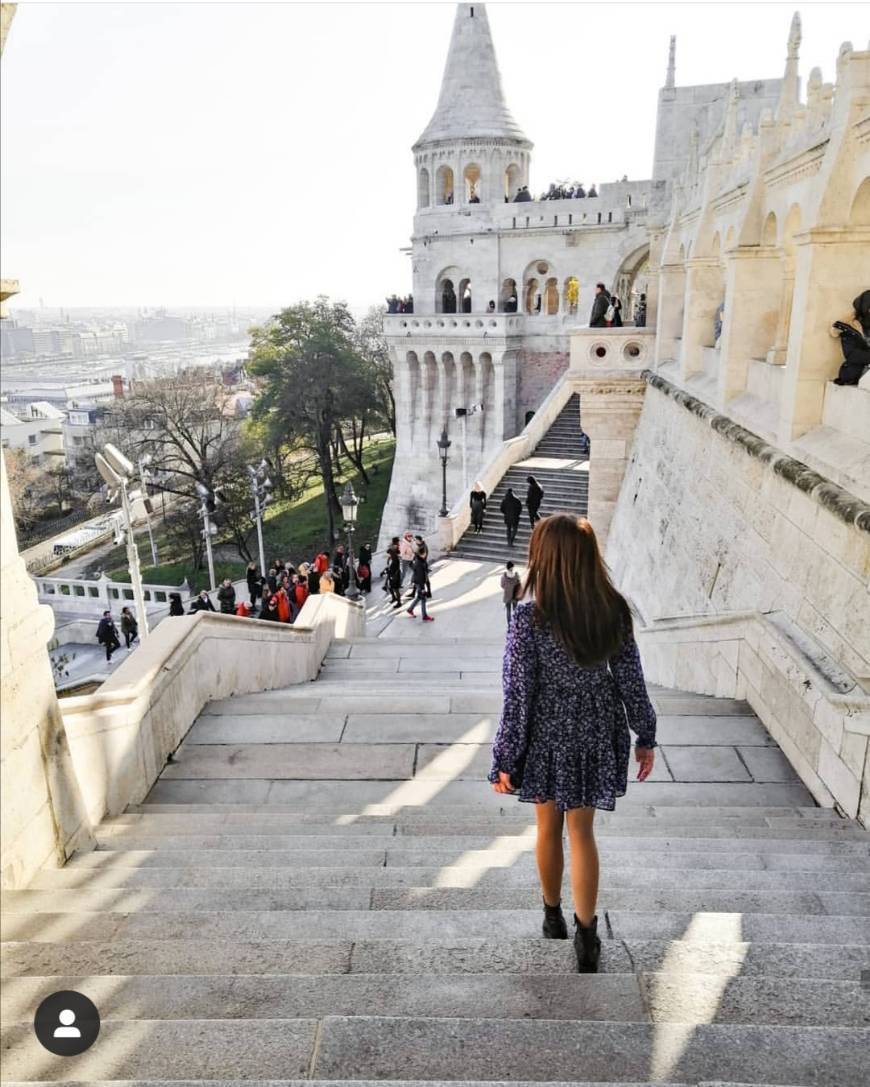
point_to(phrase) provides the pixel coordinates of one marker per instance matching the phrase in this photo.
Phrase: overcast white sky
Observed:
(205, 153)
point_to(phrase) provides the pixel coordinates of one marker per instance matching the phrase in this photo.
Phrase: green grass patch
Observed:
(292, 530)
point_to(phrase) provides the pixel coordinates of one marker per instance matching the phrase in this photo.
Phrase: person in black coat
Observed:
(269, 610)
(364, 568)
(394, 575)
(255, 583)
(477, 501)
(511, 508)
(107, 634)
(855, 343)
(201, 603)
(227, 597)
(534, 497)
(420, 579)
(597, 318)
(175, 605)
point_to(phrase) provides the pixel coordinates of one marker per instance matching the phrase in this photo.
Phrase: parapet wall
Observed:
(711, 519)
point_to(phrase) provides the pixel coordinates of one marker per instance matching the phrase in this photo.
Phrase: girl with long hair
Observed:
(573, 685)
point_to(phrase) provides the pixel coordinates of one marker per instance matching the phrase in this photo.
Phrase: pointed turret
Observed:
(471, 103)
(790, 97)
(670, 80)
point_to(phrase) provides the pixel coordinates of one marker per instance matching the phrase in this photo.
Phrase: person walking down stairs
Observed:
(511, 508)
(510, 590)
(573, 685)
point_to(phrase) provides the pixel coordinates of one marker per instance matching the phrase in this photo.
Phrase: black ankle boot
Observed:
(554, 926)
(587, 946)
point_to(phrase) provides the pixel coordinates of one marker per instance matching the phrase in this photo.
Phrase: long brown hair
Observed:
(572, 589)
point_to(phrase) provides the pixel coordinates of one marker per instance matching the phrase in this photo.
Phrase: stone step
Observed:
(345, 1083)
(63, 882)
(425, 926)
(532, 955)
(617, 997)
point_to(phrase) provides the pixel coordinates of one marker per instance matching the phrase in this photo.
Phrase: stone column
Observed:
(43, 816)
(751, 286)
(704, 292)
(505, 396)
(609, 408)
(669, 325)
(778, 352)
(831, 268)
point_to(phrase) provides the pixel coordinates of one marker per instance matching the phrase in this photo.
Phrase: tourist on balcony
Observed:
(409, 304)
(477, 501)
(593, 191)
(129, 626)
(640, 312)
(227, 597)
(523, 195)
(598, 317)
(202, 603)
(510, 590)
(573, 687)
(490, 306)
(534, 498)
(615, 311)
(107, 634)
(511, 509)
(854, 338)
(579, 192)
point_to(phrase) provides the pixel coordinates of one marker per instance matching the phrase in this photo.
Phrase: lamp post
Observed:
(261, 487)
(117, 471)
(145, 476)
(349, 504)
(207, 506)
(443, 444)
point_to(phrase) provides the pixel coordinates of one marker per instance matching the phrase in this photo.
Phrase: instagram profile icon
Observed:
(67, 1023)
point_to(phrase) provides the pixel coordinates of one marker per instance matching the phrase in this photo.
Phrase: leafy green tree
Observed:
(316, 387)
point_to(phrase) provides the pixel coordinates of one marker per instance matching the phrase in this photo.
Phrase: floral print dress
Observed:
(564, 731)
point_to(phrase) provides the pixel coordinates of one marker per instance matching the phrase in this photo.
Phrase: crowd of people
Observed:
(400, 305)
(511, 506)
(408, 554)
(606, 309)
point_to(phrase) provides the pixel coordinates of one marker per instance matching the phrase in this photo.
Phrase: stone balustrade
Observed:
(89, 597)
(626, 349)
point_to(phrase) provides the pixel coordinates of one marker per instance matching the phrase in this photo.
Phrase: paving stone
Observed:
(718, 730)
(480, 760)
(476, 702)
(141, 840)
(700, 998)
(418, 727)
(211, 792)
(264, 702)
(699, 763)
(374, 648)
(180, 858)
(767, 764)
(724, 927)
(293, 761)
(430, 1048)
(435, 663)
(613, 997)
(387, 703)
(266, 729)
(468, 956)
(184, 899)
(676, 704)
(736, 959)
(191, 956)
(373, 667)
(218, 1049)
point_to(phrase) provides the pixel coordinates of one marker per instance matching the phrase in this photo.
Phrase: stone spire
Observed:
(471, 103)
(789, 98)
(670, 82)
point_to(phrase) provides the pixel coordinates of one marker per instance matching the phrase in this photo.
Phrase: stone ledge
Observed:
(842, 503)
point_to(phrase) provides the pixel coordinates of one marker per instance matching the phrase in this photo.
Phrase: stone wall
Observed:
(712, 520)
(537, 373)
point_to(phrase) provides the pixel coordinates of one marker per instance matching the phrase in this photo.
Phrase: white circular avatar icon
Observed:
(67, 1018)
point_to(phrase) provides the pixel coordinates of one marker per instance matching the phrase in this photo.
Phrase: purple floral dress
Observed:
(564, 730)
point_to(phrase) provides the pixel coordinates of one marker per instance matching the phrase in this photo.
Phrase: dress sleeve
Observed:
(626, 669)
(519, 680)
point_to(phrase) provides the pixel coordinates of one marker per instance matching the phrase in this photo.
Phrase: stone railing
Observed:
(598, 350)
(457, 325)
(90, 597)
(121, 736)
(817, 713)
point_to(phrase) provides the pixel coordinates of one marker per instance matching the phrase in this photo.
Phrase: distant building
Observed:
(38, 430)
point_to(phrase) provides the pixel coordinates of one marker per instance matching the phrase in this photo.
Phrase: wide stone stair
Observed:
(322, 887)
(560, 465)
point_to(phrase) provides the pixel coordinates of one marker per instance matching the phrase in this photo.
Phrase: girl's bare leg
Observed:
(584, 862)
(548, 851)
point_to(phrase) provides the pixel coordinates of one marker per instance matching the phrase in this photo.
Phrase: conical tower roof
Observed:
(471, 102)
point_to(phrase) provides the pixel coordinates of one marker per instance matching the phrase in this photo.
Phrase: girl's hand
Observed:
(503, 785)
(646, 756)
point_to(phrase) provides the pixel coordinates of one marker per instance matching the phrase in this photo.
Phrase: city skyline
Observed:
(283, 169)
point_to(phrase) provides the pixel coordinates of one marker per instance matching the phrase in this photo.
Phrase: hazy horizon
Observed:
(209, 155)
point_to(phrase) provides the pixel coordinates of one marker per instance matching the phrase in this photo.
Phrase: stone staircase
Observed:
(321, 887)
(561, 468)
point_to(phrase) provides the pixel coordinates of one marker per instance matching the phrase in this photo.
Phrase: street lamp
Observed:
(208, 503)
(443, 444)
(261, 487)
(145, 477)
(349, 504)
(117, 471)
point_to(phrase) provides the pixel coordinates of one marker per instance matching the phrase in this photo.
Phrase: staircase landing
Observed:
(322, 887)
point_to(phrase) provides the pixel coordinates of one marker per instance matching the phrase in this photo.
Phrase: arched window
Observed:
(444, 185)
(508, 300)
(572, 294)
(512, 177)
(859, 214)
(465, 296)
(423, 188)
(768, 235)
(471, 175)
(532, 296)
(446, 297)
(551, 297)
(533, 278)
